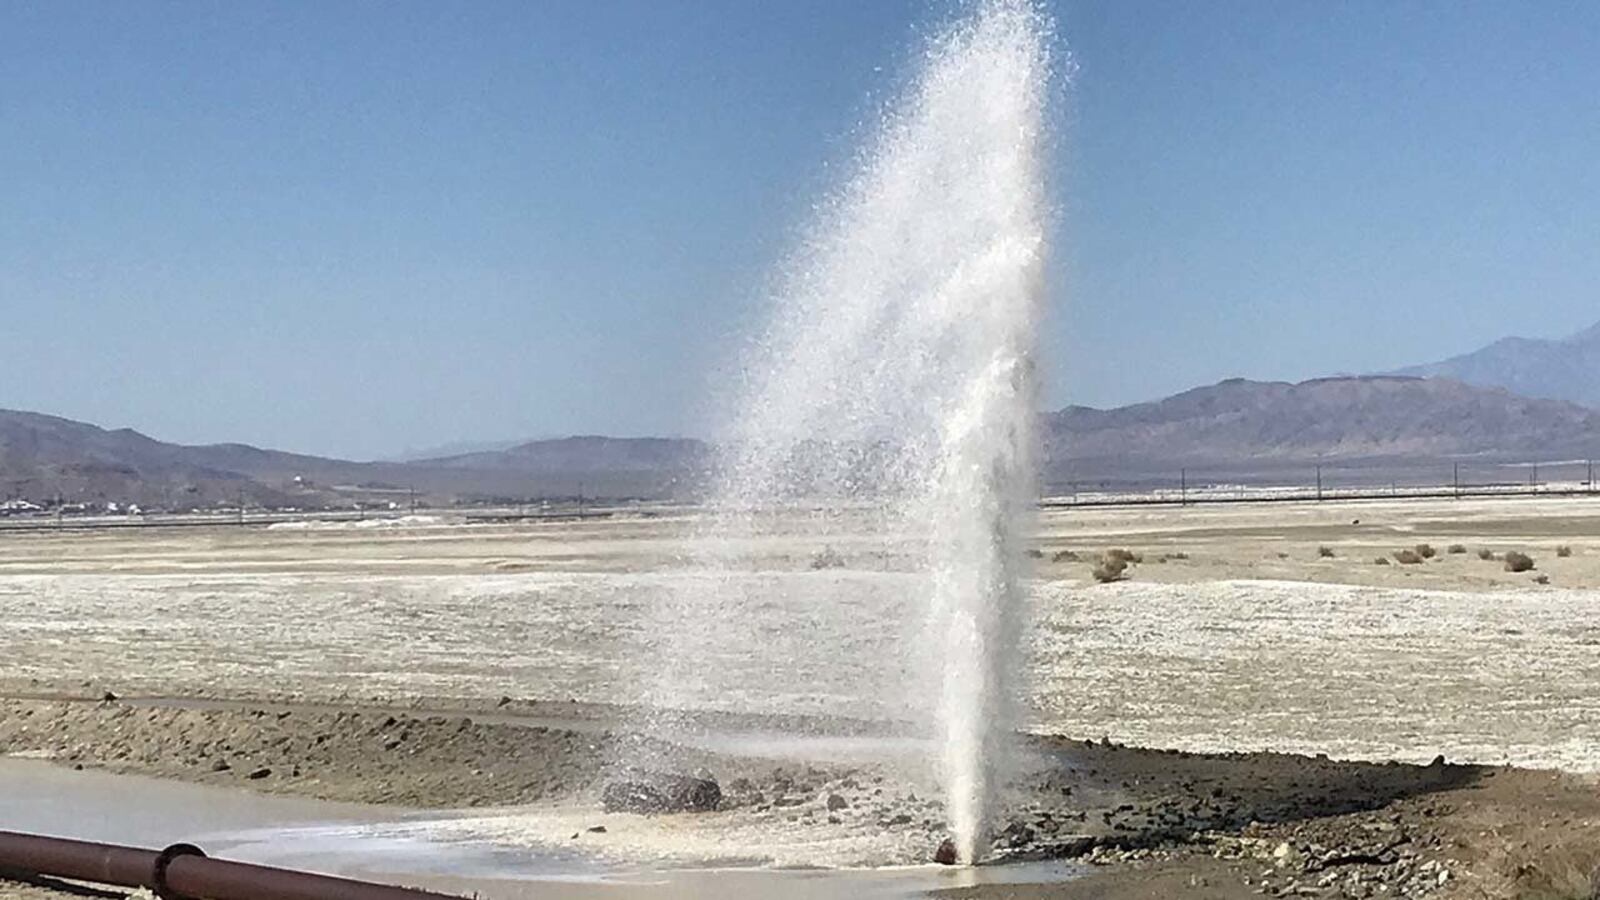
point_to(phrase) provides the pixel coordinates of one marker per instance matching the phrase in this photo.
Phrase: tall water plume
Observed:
(893, 395)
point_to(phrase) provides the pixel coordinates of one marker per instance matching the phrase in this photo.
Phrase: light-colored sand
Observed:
(1281, 542)
(1244, 637)
(1253, 641)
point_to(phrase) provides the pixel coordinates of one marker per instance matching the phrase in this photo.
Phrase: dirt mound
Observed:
(370, 757)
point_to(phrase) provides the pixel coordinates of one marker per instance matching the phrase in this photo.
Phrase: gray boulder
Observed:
(649, 792)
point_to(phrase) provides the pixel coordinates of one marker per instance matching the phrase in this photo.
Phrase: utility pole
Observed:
(1319, 483)
(1183, 487)
(1458, 481)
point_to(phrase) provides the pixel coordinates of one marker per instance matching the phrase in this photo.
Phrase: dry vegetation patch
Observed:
(1518, 562)
(1114, 564)
(1109, 569)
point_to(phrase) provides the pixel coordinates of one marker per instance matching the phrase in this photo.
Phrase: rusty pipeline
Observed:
(182, 872)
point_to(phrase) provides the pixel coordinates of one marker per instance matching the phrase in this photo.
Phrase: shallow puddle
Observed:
(409, 847)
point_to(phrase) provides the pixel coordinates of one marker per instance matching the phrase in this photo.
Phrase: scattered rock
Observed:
(1017, 835)
(258, 774)
(836, 803)
(597, 829)
(945, 855)
(655, 793)
(632, 796)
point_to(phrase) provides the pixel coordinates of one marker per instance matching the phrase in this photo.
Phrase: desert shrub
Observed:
(1127, 556)
(1325, 552)
(1426, 551)
(827, 558)
(1064, 556)
(1457, 548)
(1035, 553)
(1381, 561)
(1518, 562)
(1541, 579)
(1110, 568)
(1408, 558)
(1177, 554)
(1563, 551)
(1486, 554)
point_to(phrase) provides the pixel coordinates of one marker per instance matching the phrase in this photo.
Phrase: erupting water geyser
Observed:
(895, 388)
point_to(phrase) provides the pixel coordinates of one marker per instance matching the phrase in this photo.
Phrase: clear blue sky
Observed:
(350, 228)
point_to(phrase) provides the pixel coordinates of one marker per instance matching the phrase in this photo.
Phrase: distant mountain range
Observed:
(454, 448)
(585, 454)
(44, 458)
(1257, 428)
(1564, 369)
(1517, 400)
(1245, 428)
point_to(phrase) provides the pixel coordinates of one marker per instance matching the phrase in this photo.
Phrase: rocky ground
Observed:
(1483, 833)
(1150, 823)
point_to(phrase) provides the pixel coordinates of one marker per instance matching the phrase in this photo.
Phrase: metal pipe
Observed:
(183, 871)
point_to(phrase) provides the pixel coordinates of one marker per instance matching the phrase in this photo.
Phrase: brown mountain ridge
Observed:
(1244, 427)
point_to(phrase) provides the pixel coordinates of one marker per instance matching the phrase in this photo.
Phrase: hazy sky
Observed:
(350, 228)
